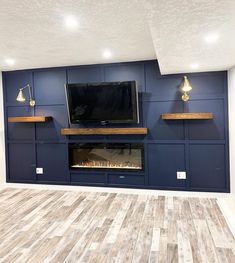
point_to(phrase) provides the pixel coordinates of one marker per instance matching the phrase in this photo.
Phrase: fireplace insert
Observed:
(112, 156)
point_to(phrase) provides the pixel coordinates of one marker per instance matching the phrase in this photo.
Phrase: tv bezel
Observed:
(135, 104)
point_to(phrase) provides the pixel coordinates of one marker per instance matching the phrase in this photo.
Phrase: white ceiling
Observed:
(179, 28)
(33, 33)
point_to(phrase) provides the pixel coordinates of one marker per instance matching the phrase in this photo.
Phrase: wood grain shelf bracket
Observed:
(103, 131)
(188, 116)
(30, 119)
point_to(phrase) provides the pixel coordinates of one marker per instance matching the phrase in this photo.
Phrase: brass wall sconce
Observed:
(185, 88)
(21, 97)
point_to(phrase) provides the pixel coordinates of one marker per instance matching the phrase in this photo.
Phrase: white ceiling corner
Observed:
(179, 28)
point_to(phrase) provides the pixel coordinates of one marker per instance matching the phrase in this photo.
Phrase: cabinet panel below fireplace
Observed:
(126, 179)
(89, 178)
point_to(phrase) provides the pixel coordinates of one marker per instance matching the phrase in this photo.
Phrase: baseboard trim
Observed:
(227, 207)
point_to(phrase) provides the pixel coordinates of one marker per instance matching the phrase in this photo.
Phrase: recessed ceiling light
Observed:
(212, 38)
(71, 22)
(107, 54)
(194, 66)
(10, 61)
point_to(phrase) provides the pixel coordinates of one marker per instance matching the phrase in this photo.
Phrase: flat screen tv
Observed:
(105, 102)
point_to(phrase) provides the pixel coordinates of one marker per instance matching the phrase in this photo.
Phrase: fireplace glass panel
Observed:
(119, 156)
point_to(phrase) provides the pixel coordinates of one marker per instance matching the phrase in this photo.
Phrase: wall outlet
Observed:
(39, 170)
(181, 175)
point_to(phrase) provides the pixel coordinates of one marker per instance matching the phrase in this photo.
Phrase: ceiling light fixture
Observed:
(71, 22)
(10, 61)
(107, 54)
(212, 38)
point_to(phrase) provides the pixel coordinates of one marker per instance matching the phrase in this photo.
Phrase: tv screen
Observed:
(105, 102)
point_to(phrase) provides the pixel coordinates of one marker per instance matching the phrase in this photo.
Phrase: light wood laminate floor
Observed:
(67, 226)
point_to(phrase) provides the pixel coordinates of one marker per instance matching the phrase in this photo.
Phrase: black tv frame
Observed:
(135, 104)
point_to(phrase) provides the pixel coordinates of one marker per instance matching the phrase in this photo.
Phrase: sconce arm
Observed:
(30, 92)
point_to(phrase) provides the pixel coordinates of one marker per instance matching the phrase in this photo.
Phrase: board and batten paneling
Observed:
(51, 130)
(199, 147)
(160, 129)
(49, 86)
(52, 157)
(126, 72)
(84, 74)
(13, 81)
(164, 160)
(208, 129)
(207, 166)
(19, 131)
(21, 162)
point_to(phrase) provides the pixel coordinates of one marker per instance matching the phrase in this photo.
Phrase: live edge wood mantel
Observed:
(30, 119)
(188, 116)
(103, 131)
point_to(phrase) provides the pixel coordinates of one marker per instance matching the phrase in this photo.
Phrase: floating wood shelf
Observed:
(29, 119)
(188, 116)
(103, 131)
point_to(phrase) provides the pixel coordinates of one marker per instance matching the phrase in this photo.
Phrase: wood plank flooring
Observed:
(68, 226)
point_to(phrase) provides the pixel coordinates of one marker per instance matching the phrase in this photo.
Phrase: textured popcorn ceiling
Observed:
(179, 28)
(33, 33)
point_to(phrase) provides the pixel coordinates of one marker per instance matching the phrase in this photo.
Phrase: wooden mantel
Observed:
(30, 119)
(188, 116)
(103, 131)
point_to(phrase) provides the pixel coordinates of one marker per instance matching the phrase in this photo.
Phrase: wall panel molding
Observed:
(169, 146)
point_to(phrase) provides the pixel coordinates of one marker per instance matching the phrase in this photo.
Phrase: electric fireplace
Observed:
(114, 156)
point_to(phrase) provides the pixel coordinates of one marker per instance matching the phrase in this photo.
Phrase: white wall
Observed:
(2, 140)
(231, 108)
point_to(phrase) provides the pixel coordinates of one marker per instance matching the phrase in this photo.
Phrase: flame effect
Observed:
(107, 164)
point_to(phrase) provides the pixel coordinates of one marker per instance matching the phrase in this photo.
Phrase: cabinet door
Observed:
(164, 161)
(21, 162)
(53, 159)
(207, 167)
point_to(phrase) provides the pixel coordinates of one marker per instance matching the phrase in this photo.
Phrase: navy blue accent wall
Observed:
(199, 147)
